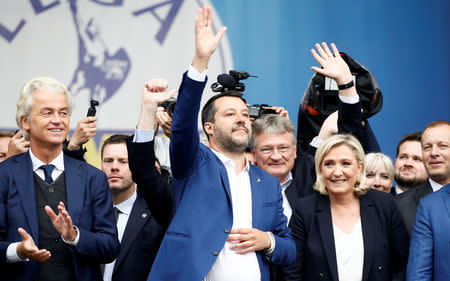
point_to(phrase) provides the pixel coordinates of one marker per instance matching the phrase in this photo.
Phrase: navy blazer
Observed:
(384, 235)
(204, 217)
(429, 257)
(88, 203)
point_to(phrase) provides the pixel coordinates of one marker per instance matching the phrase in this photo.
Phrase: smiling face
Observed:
(436, 153)
(48, 122)
(340, 170)
(275, 154)
(409, 168)
(115, 166)
(230, 131)
(379, 179)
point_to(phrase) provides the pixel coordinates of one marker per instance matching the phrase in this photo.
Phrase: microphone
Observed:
(227, 81)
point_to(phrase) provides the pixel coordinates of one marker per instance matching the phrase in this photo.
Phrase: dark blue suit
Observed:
(88, 203)
(384, 235)
(204, 216)
(429, 257)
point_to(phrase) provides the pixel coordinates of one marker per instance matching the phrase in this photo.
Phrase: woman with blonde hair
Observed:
(379, 172)
(348, 231)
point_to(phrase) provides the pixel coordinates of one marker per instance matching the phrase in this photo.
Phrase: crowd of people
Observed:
(245, 203)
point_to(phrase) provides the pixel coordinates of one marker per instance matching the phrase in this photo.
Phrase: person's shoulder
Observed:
(308, 203)
(437, 195)
(408, 195)
(83, 167)
(263, 174)
(379, 197)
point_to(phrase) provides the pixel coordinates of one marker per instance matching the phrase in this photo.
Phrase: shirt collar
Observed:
(434, 185)
(287, 182)
(228, 163)
(126, 206)
(58, 162)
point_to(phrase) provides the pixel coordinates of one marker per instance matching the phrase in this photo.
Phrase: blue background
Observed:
(405, 44)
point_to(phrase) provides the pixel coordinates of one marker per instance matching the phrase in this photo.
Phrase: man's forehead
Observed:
(115, 150)
(410, 147)
(440, 131)
(230, 102)
(274, 137)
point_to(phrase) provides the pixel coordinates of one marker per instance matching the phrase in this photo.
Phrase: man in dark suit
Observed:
(436, 158)
(429, 256)
(41, 238)
(140, 233)
(228, 223)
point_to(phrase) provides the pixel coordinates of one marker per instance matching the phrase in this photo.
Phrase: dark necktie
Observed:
(48, 169)
(116, 213)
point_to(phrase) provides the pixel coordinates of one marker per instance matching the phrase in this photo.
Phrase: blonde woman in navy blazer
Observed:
(344, 204)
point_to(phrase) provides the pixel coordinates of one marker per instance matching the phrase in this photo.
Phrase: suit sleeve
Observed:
(420, 263)
(284, 252)
(153, 187)
(294, 271)
(184, 144)
(98, 241)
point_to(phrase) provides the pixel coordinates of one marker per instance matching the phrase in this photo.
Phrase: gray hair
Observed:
(272, 124)
(26, 101)
(358, 152)
(375, 161)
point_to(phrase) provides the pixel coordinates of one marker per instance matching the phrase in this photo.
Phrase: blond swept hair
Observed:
(358, 152)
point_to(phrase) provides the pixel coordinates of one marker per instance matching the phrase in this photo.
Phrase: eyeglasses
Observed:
(282, 149)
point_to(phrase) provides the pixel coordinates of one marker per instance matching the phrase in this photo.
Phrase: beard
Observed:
(230, 144)
(408, 183)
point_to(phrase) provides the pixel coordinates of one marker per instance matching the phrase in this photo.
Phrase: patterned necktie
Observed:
(48, 169)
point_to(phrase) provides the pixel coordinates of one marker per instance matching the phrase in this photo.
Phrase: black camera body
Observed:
(257, 110)
(169, 106)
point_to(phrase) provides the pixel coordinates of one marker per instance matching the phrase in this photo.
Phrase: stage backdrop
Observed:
(107, 49)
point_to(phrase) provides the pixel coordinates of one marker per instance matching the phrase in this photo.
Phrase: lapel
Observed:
(291, 193)
(421, 191)
(75, 187)
(22, 171)
(367, 211)
(446, 198)
(256, 184)
(139, 215)
(323, 216)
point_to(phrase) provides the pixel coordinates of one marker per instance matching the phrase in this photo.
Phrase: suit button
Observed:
(380, 268)
(321, 275)
(59, 263)
(277, 260)
(51, 190)
(227, 230)
(215, 252)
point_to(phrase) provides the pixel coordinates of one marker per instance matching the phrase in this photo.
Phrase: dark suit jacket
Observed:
(146, 225)
(408, 201)
(384, 236)
(204, 217)
(88, 203)
(139, 245)
(429, 257)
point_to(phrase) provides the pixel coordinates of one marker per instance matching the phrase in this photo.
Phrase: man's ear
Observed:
(209, 127)
(25, 123)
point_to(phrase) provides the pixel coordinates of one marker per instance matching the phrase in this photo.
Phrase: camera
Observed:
(169, 106)
(257, 110)
(231, 82)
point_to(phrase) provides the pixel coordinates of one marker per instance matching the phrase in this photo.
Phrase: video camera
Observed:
(169, 106)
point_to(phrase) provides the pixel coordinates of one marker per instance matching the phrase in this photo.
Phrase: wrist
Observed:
(73, 147)
(19, 250)
(345, 79)
(201, 64)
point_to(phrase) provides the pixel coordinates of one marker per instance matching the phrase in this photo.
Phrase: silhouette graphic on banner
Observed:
(98, 72)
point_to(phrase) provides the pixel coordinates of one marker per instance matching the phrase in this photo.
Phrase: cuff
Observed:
(272, 243)
(11, 253)
(316, 142)
(194, 74)
(143, 135)
(74, 242)
(350, 100)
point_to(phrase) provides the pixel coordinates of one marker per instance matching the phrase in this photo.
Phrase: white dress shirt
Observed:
(229, 265)
(434, 185)
(58, 162)
(122, 219)
(287, 210)
(349, 253)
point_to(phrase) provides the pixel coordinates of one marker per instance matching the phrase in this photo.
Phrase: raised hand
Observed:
(28, 249)
(86, 129)
(164, 120)
(17, 144)
(248, 240)
(62, 222)
(329, 127)
(205, 40)
(154, 92)
(333, 65)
